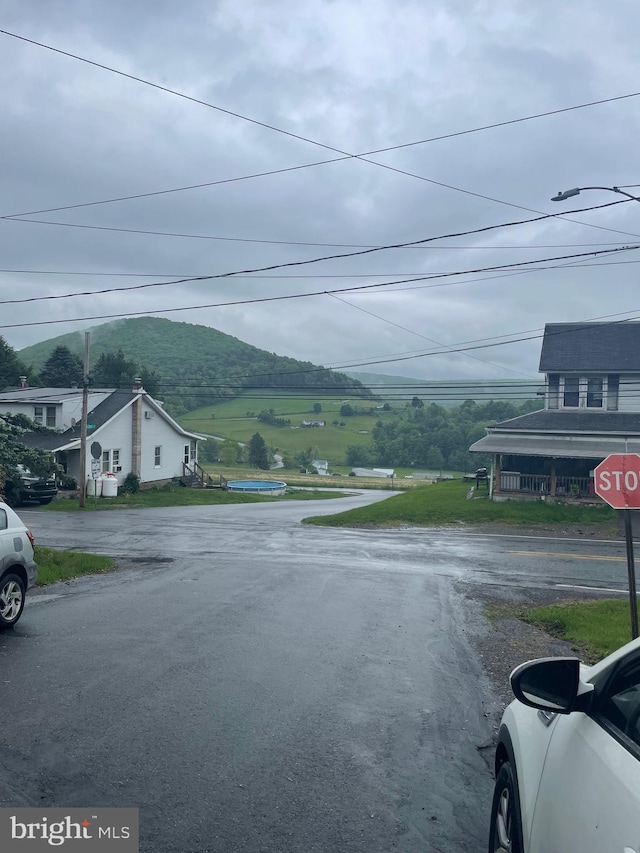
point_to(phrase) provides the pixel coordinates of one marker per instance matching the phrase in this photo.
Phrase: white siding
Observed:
(116, 435)
(156, 432)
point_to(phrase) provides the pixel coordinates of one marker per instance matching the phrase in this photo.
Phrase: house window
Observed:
(111, 461)
(571, 396)
(38, 414)
(613, 386)
(157, 456)
(187, 454)
(51, 416)
(554, 391)
(594, 392)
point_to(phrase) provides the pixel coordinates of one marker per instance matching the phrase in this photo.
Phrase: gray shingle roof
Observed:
(591, 347)
(581, 421)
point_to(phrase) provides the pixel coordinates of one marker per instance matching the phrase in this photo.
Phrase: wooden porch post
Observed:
(552, 489)
(498, 466)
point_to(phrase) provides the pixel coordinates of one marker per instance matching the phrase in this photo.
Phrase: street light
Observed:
(563, 196)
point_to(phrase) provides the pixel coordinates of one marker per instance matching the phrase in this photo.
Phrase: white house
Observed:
(321, 466)
(129, 430)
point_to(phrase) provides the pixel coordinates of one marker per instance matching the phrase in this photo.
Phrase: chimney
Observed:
(137, 385)
(23, 382)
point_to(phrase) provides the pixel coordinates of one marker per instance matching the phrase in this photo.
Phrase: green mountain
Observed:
(448, 392)
(196, 365)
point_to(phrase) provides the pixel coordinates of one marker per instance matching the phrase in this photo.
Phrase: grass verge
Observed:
(597, 627)
(446, 503)
(61, 565)
(171, 495)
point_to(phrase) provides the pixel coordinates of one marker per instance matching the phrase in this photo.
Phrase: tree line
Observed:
(433, 437)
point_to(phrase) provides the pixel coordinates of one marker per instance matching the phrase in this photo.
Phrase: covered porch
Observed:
(559, 465)
(530, 477)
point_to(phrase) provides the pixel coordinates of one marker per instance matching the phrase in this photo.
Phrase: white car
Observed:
(568, 758)
(18, 571)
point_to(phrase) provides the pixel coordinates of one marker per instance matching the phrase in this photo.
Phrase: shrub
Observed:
(131, 484)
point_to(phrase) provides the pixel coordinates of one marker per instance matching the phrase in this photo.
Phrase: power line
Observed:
(265, 299)
(480, 343)
(312, 261)
(418, 334)
(448, 248)
(341, 390)
(345, 154)
(182, 236)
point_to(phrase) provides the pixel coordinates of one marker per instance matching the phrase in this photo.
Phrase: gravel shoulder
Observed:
(506, 640)
(606, 531)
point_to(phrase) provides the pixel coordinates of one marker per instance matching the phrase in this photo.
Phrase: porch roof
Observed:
(558, 446)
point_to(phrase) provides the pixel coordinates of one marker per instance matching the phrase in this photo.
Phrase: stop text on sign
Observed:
(618, 480)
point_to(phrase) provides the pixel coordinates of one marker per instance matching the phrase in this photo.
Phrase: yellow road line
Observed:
(571, 556)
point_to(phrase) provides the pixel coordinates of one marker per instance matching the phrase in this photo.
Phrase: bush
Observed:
(66, 482)
(131, 484)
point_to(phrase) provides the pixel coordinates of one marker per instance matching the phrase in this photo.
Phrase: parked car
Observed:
(18, 571)
(567, 762)
(30, 489)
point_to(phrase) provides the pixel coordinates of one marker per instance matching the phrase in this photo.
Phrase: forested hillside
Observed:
(194, 365)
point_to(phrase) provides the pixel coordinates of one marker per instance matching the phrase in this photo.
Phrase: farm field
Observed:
(237, 420)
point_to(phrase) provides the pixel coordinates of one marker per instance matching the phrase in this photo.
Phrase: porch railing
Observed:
(577, 487)
(513, 481)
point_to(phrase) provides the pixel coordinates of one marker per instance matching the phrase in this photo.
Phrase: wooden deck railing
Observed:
(196, 475)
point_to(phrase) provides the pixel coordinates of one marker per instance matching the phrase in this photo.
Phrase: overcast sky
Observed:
(353, 75)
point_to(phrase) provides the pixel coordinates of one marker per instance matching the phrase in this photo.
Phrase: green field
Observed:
(229, 419)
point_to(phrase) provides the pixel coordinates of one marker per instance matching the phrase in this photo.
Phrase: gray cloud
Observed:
(349, 74)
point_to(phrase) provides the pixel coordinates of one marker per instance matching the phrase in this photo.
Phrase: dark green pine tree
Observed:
(62, 369)
(11, 368)
(258, 454)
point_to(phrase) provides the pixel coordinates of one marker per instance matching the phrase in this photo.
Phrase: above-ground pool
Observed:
(263, 487)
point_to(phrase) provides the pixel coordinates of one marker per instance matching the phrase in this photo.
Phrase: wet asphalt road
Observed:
(260, 686)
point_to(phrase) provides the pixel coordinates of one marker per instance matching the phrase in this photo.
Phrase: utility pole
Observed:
(83, 429)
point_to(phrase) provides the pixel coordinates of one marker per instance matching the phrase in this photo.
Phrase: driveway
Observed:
(257, 685)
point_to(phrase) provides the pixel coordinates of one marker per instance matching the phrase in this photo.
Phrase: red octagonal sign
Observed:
(617, 480)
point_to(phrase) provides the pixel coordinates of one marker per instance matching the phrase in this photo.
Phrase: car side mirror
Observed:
(551, 684)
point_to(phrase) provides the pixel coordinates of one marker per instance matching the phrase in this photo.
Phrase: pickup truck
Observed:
(30, 489)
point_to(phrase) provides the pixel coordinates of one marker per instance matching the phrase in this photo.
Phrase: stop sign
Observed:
(617, 480)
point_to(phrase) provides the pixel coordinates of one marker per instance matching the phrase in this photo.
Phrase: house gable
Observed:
(593, 366)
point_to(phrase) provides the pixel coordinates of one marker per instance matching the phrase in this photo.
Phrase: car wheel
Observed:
(506, 824)
(12, 592)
